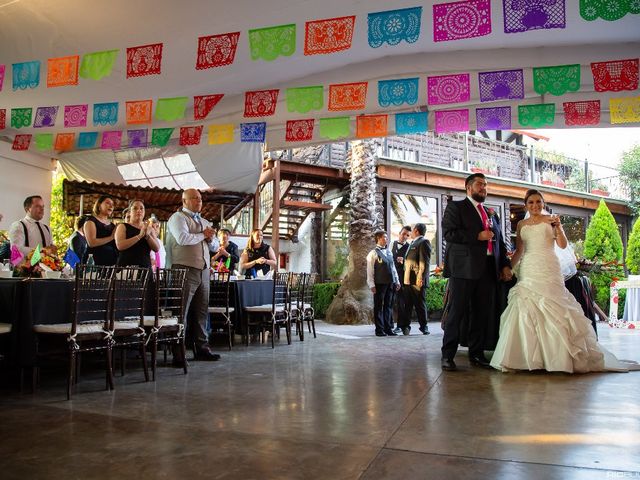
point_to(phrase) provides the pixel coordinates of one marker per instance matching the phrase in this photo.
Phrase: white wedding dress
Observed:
(543, 326)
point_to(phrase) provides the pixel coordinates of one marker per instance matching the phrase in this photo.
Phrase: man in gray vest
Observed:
(382, 279)
(188, 238)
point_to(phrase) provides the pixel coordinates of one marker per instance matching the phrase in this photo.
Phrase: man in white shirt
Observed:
(382, 279)
(28, 233)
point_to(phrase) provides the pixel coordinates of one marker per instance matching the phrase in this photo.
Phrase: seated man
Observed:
(28, 233)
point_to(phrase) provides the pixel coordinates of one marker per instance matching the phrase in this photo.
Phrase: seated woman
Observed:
(135, 240)
(99, 232)
(258, 256)
(227, 251)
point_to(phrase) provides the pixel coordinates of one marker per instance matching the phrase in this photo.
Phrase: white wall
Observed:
(299, 253)
(22, 174)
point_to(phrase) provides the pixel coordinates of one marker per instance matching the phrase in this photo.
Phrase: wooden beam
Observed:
(311, 206)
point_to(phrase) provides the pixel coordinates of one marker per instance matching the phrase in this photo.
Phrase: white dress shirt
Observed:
(372, 258)
(16, 235)
(180, 229)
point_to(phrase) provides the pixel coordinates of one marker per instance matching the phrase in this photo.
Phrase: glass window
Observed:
(410, 209)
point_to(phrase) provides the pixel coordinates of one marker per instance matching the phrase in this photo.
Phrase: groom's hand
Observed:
(507, 274)
(485, 235)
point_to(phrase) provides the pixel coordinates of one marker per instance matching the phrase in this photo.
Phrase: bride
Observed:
(543, 326)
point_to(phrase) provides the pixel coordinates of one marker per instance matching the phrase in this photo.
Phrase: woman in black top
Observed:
(258, 256)
(135, 240)
(99, 233)
(227, 250)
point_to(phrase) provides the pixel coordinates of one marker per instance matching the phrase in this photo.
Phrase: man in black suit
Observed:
(416, 279)
(399, 251)
(475, 258)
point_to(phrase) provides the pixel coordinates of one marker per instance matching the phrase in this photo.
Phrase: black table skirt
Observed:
(248, 293)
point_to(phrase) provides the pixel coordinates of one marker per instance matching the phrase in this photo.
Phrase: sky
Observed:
(603, 146)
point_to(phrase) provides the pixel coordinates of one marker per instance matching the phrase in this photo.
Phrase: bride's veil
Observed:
(566, 256)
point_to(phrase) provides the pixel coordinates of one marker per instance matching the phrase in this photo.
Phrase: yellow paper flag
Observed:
(624, 110)
(219, 134)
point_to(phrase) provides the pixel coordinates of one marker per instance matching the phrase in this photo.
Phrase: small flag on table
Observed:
(71, 258)
(16, 255)
(35, 258)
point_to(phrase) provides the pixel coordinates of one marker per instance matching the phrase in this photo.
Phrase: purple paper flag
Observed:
(495, 118)
(75, 115)
(111, 140)
(137, 138)
(45, 117)
(16, 255)
(521, 16)
(452, 121)
(501, 85)
(448, 89)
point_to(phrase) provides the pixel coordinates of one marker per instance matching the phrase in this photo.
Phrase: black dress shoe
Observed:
(406, 331)
(425, 330)
(391, 333)
(381, 334)
(448, 365)
(479, 361)
(397, 330)
(205, 354)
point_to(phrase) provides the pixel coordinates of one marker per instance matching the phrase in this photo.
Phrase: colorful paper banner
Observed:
(190, 135)
(261, 103)
(501, 85)
(452, 121)
(522, 16)
(253, 132)
(98, 65)
(105, 114)
(299, 130)
(144, 60)
(216, 50)
(3, 118)
(615, 76)
(44, 141)
(335, 127)
(64, 141)
(537, 116)
(137, 138)
(411, 123)
(305, 99)
(328, 36)
(139, 112)
(160, 136)
(556, 80)
(348, 96)
(45, 117)
(445, 89)
(493, 118)
(87, 140)
(582, 113)
(270, 43)
(398, 92)
(170, 109)
(609, 10)
(2, 70)
(624, 110)
(21, 117)
(393, 26)
(111, 140)
(75, 115)
(371, 126)
(21, 142)
(26, 75)
(62, 71)
(220, 134)
(203, 104)
(460, 20)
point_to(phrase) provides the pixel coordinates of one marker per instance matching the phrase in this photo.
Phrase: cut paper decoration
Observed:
(452, 121)
(460, 20)
(2, 70)
(97, 65)
(203, 104)
(87, 139)
(139, 112)
(537, 116)
(160, 136)
(409, 123)
(615, 76)
(335, 127)
(105, 113)
(261, 103)
(137, 138)
(44, 141)
(272, 42)
(624, 110)
(582, 113)
(26, 75)
(328, 36)
(3, 118)
(556, 80)
(170, 109)
(45, 117)
(64, 141)
(305, 99)
(299, 130)
(75, 115)
(253, 132)
(36, 256)
(62, 71)
(217, 50)
(607, 9)
(21, 117)
(393, 26)
(21, 142)
(190, 135)
(111, 140)
(348, 96)
(371, 126)
(219, 134)
(501, 85)
(144, 60)
(71, 258)
(494, 118)
(522, 16)
(16, 255)
(445, 89)
(398, 92)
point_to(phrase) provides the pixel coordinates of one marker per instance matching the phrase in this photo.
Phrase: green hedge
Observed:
(323, 294)
(601, 281)
(435, 293)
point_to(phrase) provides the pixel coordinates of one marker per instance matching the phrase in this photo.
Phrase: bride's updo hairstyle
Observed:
(531, 193)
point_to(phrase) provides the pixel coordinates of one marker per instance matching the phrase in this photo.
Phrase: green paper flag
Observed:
(227, 262)
(556, 80)
(304, 99)
(44, 141)
(536, 116)
(170, 109)
(97, 65)
(335, 127)
(271, 42)
(161, 136)
(35, 258)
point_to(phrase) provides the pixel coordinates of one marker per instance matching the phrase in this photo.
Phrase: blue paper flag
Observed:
(26, 75)
(408, 123)
(105, 113)
(397, 92)
(253, 132)
(87, 139)
(71, 258)
(393, 26)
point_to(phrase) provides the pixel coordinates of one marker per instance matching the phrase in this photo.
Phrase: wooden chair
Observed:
(296, 302)
(90, 326)
(219, 309)
(274, 315)
(308, 312)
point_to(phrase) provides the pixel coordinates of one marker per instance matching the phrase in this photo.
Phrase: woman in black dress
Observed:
(227, 251)
(258, 256)
(135, 240)
(99, 232)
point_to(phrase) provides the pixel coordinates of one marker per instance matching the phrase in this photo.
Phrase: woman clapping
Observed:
(136, 239)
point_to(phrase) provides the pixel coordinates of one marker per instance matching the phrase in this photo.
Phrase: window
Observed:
(409, 209)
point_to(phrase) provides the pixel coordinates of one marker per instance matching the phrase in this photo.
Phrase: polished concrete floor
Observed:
(346, 405)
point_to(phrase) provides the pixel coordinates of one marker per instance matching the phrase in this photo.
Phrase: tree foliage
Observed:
(61, 225)
(630, 176)
(602, 241)
(633, 250)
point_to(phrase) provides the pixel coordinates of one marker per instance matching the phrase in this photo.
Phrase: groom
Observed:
(475, 260)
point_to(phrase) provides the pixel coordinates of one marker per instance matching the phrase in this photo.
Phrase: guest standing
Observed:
(416, 279)
(99, 231)
(136, 239)
(28, 233)
(77, 242)
(399, 251)
(382, 279)
(159, 258)
(257, 256)
(227, 250)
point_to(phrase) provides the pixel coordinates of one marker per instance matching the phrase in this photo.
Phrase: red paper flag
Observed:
(144, 60)
(203, 104)
(3, 118)
(139, 112)
(21, 142)
(190, 135)
(582, 113)
(217, 50)
(261, 103)
(615, 75)
(299, 130)
(348, 96)
(328, 36)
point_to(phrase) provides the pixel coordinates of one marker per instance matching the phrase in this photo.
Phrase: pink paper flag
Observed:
(448, 89)
(452, 121)
(111, 140)
(16, 255)
(459, 20)
(2, 68)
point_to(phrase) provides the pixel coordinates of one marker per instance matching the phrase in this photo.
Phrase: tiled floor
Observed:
(344, 405)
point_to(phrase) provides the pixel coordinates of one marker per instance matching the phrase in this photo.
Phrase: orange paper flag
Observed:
(139, 112)
(64, 141)
(62, 71)
(371, 126)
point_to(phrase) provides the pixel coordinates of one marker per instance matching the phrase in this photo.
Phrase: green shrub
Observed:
(435, 294)
(323, 294)
(633, 249)
(602, 241)
(601, 280)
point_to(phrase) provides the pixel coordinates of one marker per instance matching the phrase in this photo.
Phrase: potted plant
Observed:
(551, 177)
(484, 165)
(600, 191)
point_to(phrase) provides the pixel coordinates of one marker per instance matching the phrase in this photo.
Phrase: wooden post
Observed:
(275, 215)
(256, 209)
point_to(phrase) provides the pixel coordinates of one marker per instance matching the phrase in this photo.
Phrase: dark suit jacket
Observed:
(465, 256)
(416, 263)
(399, 251)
